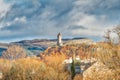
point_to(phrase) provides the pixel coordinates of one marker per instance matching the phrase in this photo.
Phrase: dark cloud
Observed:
(14, 27)
(76, 27)
(40, 18)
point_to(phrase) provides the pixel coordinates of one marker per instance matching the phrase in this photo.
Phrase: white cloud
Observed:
(36, 3)
(87, 32)
(114, 38)
(3, 11)
(95, 24)
(21, 19)
(4, 8)
(48, 17)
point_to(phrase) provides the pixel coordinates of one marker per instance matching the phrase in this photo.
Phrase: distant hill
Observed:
(4, 45)
(47, 42)
(36, 46)
(1, 50)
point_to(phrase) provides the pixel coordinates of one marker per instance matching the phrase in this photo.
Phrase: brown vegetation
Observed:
(84, 51)
(110, 57)
(14, 52)
(108, 64)
(50, 65)
(34, 69)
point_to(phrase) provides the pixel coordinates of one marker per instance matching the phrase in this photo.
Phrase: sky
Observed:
(30, 19)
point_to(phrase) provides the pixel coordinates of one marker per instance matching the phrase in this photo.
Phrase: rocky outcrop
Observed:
(99, 71)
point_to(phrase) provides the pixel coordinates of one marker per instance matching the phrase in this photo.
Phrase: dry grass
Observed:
(50, 67)
(110, 56)
(78, 77)
(84, 51)
(34, 69)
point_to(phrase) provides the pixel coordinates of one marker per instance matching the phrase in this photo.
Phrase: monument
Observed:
(59, 39)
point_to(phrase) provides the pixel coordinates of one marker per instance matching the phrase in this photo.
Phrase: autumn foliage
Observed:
(51, 68)
(110, 57)
(14, 52)
(49, 65)
(84, 51)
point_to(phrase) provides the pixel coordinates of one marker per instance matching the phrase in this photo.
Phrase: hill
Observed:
(36, 46)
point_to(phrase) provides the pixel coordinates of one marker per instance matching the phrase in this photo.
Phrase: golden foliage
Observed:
(34, 69)
(110, 57)
(83, 50)
(78, 77)
(50, 66)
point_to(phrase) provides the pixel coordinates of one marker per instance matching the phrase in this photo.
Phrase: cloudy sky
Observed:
(28, 19)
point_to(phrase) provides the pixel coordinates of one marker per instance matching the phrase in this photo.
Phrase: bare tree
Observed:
(14, 52)
(107, 36)
(117, 30)
(110, 38)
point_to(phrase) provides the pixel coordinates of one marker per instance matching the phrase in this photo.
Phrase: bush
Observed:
(14, 52)
(110, 57)
(78, 77)
(34, 69)
(25, 69)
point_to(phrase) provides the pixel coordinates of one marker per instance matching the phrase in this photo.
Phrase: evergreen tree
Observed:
(73, 69)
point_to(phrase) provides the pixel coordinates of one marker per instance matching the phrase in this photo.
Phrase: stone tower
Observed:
(59, 39)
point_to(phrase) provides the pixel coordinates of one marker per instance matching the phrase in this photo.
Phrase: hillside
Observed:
(36, 46)
(3, 47)
(56, 63)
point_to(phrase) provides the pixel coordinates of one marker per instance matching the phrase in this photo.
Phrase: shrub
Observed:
(110, 57)
(78, 77)
(34, 69)
(14, 52)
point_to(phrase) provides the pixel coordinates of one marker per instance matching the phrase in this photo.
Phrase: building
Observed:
(59, 39)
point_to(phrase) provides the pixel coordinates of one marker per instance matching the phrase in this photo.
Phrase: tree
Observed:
(14, 52)
(107, 36)
(73, 70)
(117, 30)
(113, 36)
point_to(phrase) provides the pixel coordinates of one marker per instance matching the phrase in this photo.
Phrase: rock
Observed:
(99, 71)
